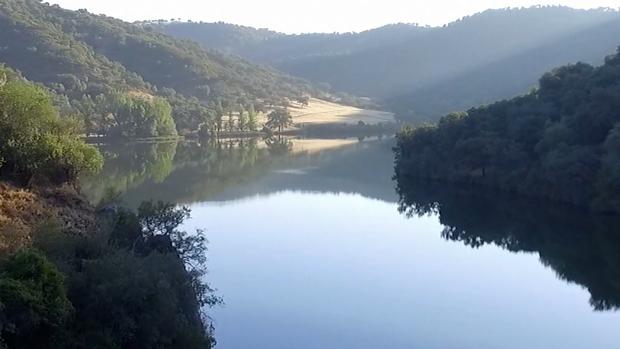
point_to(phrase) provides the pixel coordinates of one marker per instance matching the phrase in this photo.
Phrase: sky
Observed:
(290, 16)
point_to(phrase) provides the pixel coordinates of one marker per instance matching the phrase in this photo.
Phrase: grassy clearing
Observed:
(320, 112)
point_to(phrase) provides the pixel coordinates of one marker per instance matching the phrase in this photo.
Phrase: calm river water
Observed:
(313, 248)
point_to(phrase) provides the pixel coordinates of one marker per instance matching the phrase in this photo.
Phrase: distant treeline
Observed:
(561, 141)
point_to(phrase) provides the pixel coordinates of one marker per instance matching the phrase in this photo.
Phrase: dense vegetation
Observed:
(71, 278)
(561, 141)
(137, 283)
(424, 73)
(35, 140)
(265, 46)
(89, 60)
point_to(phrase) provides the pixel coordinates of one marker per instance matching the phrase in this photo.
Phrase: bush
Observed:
(142, 117)
(34, 140)
(33, 301)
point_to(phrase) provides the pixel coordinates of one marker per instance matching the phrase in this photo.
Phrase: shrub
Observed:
(35, 140)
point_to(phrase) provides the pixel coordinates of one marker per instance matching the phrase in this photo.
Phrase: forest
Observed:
(419, 72)
(76, 276)
(559, 142)
(102, 70)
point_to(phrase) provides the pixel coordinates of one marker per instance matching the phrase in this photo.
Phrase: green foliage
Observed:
(128, 166)
(142, 117)
(423, 73)
(279, 119)
(128, 285)
(252, 122)
(81, 56)
(35, 140)
(33, 301)
(559, 142)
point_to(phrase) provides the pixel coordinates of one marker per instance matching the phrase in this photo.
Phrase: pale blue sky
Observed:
(313, 15)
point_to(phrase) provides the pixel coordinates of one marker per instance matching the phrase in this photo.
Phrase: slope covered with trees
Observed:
(507, 77)
(269, 47)
(423, 73)
(86, 58)
(71, 277)
(560, 142)
(35, 141)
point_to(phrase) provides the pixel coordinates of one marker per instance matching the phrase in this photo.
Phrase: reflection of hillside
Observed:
(583, 249)
(129, 166)
(228, 170)
(363, 168)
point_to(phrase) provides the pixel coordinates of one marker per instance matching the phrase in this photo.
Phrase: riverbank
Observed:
(23, 210)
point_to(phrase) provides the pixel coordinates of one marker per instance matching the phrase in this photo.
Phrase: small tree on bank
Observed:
(279, 119)
(252, 118)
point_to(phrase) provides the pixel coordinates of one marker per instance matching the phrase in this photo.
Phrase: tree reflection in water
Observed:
(581, 248)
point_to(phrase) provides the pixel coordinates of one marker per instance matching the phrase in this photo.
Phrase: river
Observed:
(313, 245)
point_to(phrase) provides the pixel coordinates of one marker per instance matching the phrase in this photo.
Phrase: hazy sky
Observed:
(293, 16)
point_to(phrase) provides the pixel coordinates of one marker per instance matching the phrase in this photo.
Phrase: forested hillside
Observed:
(93, 62)
(269, 47)
(517, 74)
(560, 142)
(423, 73)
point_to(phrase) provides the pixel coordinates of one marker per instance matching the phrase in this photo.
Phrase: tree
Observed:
(252, 118)
(280, 119)
(34, 304)
(304, 101)
(242, 120)
(142, 117)
(231, 121)
(35, 140)
(559, 142)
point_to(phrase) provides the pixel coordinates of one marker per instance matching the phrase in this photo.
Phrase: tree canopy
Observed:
(81, 56)
(559, 141)
(36, 140)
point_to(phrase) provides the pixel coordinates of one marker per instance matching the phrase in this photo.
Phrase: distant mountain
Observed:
(80, 56)
(478, 59)
(269, 47)
(513, 75)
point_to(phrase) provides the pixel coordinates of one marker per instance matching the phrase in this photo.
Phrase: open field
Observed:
(320, 112)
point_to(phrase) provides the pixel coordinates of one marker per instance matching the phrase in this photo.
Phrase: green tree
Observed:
(33, 302)
(142, 117)
(35, 140)
(242, 120)
(252, 118)
(279, 119)
(231, 120)
(559, 142)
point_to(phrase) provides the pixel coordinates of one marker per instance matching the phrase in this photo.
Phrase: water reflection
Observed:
(580, 248)
(129, 166)
(191, 172)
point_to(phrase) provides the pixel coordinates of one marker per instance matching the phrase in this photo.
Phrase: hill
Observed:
(478, 59)
(278, 49)
(560, 142)
(513, 75)
(81, 56)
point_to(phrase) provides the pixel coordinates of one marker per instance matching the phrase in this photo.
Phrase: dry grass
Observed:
(22, 211)
(320, 112)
